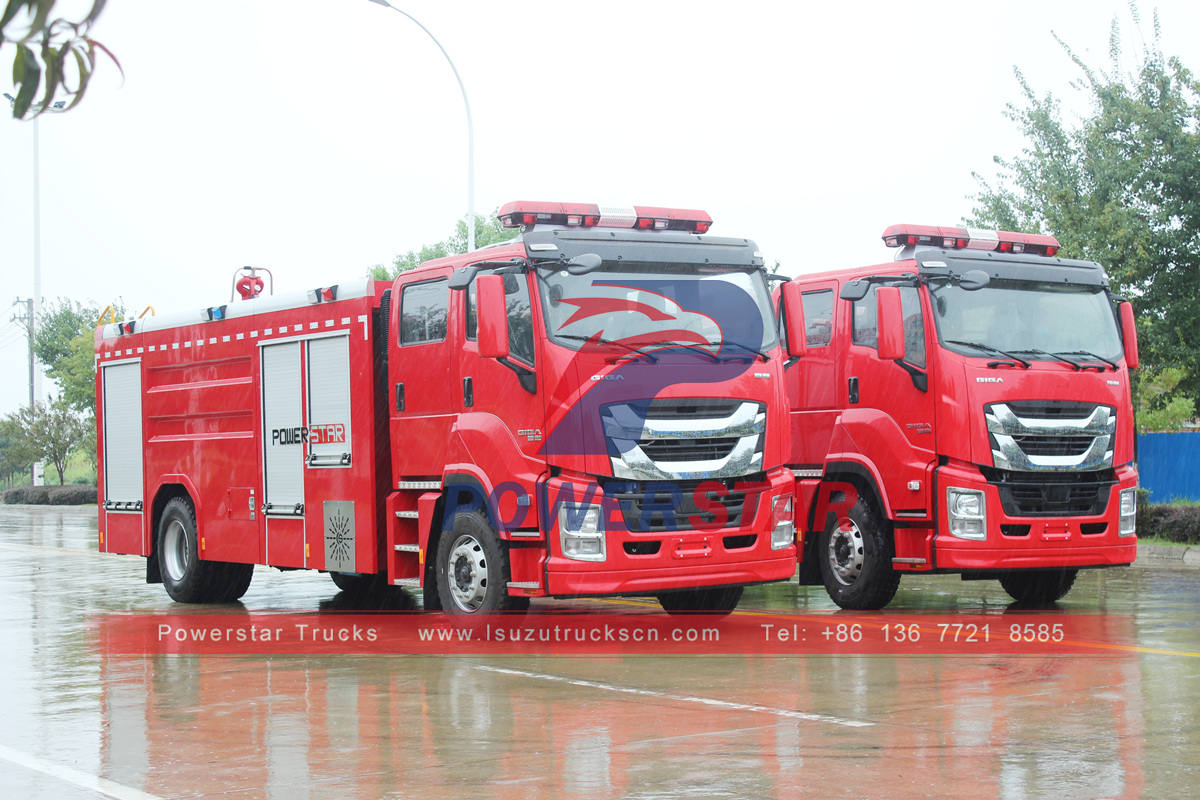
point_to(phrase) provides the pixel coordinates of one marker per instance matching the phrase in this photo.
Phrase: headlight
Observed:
(967, 510)
(783, 532)
(581, 532)
(1128, 524)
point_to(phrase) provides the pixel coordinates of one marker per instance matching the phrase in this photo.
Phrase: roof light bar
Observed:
(971, 239)
(522, 213)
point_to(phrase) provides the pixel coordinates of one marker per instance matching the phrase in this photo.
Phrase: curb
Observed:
(1180, 556)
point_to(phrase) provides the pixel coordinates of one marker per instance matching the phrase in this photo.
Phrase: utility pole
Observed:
(27, 321)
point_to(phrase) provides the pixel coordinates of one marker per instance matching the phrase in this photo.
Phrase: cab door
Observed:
(424, 399)
(896, 426)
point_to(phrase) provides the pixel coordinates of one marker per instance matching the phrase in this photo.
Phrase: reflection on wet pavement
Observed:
(368, 727)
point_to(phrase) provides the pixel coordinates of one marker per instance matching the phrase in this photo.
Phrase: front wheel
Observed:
(1038, 586)
(472, 569)
(855, 553)
(722, 600)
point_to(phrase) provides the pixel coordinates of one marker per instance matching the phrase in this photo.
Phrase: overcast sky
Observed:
(321, 137)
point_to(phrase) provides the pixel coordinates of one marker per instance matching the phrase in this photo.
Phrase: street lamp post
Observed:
(470, 126)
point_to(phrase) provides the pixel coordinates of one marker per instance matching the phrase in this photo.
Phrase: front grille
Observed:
(1051, 409)
(688, 407)
(654, 507)
(1061, 494)
(1052, 445)
(688, 449)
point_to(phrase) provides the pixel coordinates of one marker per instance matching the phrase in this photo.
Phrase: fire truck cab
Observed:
(969, 407)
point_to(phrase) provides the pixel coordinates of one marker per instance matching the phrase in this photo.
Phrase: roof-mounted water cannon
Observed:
(525, 214)
(248, 284)
(1035, 244)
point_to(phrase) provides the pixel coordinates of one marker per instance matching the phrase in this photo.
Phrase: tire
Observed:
(722, 600)
(472, 569)
(855, 554)
(1038, 585)
(186, 577)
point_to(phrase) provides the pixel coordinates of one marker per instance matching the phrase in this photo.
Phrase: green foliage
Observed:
(1157, 405)
(1118, 187)
(64, 344)
(55, 56)
(17, 452)
(488, 230)
(53, 431)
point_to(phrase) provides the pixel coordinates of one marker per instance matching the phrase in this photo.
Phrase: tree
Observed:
(1118, 187)
(54, 55)
(16, 450)
(53, 431)
(64, 343)
(488, 230)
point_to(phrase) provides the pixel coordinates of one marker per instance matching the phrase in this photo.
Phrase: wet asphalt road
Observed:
(78, 719)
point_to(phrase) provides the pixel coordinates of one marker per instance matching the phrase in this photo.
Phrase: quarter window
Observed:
(818, 317)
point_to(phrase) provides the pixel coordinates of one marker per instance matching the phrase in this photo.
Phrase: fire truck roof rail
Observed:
(244, 308)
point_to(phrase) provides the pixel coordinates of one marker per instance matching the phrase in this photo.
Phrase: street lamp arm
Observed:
(470, 124)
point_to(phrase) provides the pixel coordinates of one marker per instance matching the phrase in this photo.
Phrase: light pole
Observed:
(470, 126)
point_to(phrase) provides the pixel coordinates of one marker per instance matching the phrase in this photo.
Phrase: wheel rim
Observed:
(466, 573)
(175, 551)
(846, 555)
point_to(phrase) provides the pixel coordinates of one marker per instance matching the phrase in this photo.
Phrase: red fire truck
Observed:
(593, 408)
(969, 406)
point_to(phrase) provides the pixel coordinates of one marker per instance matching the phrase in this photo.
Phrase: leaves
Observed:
(56, 57)
(488, 230)
(1118, 187)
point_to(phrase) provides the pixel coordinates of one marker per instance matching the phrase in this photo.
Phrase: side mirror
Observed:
(492, 315)
(889, 317)
(1129, 334)
(973, 279)
(793, 309)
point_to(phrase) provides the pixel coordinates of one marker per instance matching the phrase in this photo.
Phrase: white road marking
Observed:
(685, 698)
(92, 783)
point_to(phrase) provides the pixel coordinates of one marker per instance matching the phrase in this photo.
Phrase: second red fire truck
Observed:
(593, 408)
(969, 406)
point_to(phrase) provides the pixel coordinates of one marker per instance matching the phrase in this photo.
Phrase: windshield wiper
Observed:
(629, 349)
(1090, 355)
(1064, 359)
(758, 353)
(987, 348)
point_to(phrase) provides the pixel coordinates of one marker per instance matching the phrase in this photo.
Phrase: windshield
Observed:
(1030, 319)
(634, 306)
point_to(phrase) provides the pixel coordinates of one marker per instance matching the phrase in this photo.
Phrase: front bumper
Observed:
(687, 554)
(1032, 542)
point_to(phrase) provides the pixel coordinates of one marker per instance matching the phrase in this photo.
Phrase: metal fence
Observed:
(1169, 465)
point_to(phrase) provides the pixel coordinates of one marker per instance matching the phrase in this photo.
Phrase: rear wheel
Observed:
(722, 600)
(1039, 585)
(855, 554)
(359, 583)
(186, 577)
(472, 569)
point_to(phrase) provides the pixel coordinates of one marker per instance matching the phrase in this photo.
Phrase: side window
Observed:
(914, 326)
(472, 314)
(520, 317)
(866, 331)
(818, 317)
(423, 308)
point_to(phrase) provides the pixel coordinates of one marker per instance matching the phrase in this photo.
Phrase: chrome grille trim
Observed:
(1004, 426)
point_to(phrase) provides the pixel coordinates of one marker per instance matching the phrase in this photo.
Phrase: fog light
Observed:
(581, 532)
(967, 509)
(1128, 525)
(783, 534)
